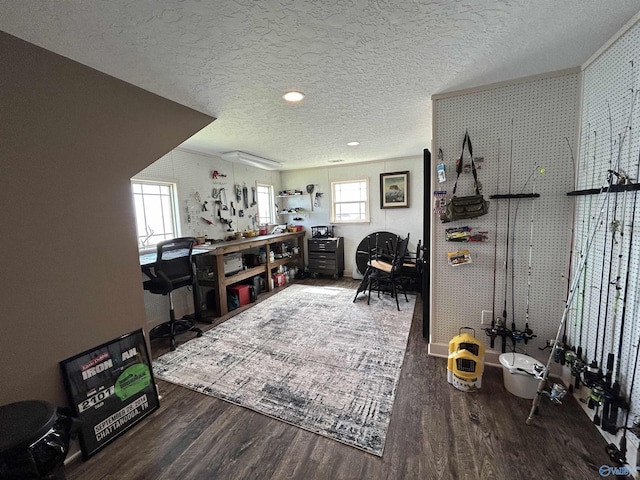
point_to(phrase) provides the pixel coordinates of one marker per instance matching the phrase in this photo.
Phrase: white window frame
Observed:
(171, 217)
(271, 204)
(366, 201)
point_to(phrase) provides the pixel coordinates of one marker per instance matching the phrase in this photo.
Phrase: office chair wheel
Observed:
(172, 344)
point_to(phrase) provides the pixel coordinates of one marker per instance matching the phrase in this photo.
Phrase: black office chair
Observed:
(385, 270)
(173, 269)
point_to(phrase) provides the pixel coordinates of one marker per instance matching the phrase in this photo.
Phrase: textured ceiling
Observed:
(368, 68)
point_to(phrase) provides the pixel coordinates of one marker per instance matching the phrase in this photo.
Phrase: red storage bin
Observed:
(242, 291)
(278, 279)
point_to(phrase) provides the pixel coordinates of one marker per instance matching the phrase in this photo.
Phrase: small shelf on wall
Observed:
(295, 212)
(287, 208)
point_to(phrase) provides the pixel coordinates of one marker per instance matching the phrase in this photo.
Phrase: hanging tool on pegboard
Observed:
(245, 195)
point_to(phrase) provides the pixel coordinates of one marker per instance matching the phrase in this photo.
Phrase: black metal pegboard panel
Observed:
(610, 140)
(518, 128)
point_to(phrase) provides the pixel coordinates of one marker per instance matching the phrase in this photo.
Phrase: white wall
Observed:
(192, 172)
(398, 220)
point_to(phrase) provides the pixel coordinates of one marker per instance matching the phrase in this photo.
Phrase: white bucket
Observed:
(519, 372)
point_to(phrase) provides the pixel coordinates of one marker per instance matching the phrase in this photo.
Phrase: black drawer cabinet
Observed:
(326, 256)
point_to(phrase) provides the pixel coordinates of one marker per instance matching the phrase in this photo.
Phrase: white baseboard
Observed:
(563, 373)
(73, 457)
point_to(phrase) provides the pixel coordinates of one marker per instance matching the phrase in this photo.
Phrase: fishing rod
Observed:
(506, 258)
(617, 400)
(601, 388)
(610, 410)
(625, 427)
(609, 394)
(576, 361)
(623, 440)
(615, 227)
(604, 258)
(572, 291)
(564, 354)
(527, 333)
(609, 225)
(592, 368)
(492, 333)
(586, 267)
(572, 242)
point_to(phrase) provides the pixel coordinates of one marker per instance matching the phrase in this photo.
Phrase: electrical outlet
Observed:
(486, 317)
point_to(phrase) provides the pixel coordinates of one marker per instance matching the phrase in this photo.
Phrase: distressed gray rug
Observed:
(308, 356)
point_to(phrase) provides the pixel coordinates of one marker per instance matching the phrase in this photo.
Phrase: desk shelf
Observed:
(214, 259)
(284, 261)
(243, 275)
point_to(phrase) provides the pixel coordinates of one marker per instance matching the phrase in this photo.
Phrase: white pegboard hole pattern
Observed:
(544, 113)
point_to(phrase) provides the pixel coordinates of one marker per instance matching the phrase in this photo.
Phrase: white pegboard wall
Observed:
(610, 140)
(518, 127)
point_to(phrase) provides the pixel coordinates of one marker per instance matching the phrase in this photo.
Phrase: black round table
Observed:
(362, 252)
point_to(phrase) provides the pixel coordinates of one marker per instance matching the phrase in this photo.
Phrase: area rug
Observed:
(308, 356)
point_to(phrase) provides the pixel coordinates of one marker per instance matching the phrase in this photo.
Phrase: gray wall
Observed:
(71, 139)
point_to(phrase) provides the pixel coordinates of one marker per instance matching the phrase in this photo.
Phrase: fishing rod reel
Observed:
(559, 353)
(635, 428)
(615, 454)
(576, 365)
(595, 397)
(621, 178)
(498, 330)
(522, 336)
(559, 350)
(556, 394)
(592, 375)
(528, 334)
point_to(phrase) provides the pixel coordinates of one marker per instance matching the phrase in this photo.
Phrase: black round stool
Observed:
(34, 440)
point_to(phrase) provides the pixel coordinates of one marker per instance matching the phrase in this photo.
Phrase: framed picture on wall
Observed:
(394, 190)
(110, 388)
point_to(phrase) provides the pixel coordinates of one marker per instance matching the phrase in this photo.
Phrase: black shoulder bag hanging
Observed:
(473, 206)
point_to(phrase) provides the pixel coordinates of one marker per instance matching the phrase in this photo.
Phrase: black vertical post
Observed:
(426, 236)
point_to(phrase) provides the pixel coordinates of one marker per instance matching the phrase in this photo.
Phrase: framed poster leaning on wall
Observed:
(110, 388)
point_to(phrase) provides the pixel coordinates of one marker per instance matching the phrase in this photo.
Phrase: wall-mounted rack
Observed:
(513, 195)
(629, 187)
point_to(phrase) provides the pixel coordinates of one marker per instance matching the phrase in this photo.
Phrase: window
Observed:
(266, 203)
(350, 201)
(155, 211)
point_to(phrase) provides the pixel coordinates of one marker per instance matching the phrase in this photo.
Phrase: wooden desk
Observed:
(150, 257)
(218, 250)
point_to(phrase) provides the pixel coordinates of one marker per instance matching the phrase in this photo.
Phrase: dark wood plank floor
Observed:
(436, 432)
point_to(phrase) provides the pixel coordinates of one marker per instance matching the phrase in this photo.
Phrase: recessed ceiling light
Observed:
(293, 96)
(353, 144)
